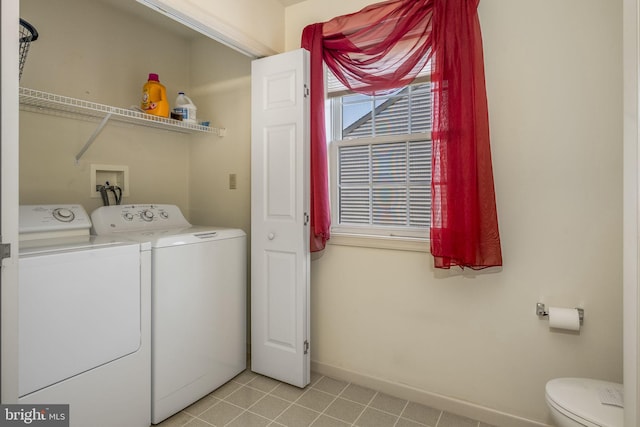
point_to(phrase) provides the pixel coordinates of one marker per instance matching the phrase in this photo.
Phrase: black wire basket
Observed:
(27, 35)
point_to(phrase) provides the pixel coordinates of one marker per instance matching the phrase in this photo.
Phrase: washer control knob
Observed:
(128, 216)
(146, 215)
(164, 215)
(271, 236)
(63, 214)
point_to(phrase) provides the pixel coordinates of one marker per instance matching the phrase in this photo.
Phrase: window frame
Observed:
(401, 238)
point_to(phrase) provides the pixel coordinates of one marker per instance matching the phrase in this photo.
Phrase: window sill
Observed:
(412, 244)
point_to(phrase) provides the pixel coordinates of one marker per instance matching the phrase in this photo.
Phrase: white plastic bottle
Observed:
(185, 106)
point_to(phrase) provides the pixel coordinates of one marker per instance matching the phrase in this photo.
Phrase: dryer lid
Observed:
(581, 398)
(57, 220)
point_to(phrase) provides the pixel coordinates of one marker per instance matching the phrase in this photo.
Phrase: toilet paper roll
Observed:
(564, 318)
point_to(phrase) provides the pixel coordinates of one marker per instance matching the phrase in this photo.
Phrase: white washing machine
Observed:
(198, 333)
(84, 319)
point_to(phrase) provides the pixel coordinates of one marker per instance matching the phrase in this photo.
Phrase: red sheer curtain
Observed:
(464, 222)
(385, 46)
(320, 217)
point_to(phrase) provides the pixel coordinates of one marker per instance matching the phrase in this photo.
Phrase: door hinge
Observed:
(306, 90)
(306, 218)
(306, 347)
(5, 250)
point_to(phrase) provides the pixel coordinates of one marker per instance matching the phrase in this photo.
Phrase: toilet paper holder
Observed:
(541, 310)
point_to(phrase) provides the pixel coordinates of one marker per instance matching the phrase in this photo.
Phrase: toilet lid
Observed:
(579, 399)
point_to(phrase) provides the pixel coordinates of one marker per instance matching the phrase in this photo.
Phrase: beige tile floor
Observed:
(251, 400)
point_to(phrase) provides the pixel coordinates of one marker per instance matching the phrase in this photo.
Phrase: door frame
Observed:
(9, 127)
(631, 188)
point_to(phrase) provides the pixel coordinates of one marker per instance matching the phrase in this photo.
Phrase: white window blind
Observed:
(386, 184)
(382, 158)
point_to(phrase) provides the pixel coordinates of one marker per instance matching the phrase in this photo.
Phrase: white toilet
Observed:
(576, 402)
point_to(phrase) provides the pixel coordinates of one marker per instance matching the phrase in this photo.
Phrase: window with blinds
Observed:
(381, 156)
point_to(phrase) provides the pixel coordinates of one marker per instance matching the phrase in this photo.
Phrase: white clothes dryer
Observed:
(84, 319)
(199, 301)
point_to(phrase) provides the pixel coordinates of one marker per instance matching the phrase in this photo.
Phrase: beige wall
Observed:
(222, 83)
(311, 11)
(554, 82)
(91, 51)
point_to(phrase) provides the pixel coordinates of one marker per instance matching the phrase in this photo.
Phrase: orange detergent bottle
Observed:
(154, 97)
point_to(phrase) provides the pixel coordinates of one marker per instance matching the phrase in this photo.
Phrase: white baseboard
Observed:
(434, 400)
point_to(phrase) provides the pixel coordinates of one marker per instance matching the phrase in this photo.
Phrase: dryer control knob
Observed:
(63, 214)
(271, 236)
(128, 216)
(146, 215)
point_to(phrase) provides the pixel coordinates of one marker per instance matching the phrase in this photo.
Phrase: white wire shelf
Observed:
(43, 102)
(59, 105)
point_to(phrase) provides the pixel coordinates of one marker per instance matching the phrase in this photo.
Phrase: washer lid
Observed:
(579, 398)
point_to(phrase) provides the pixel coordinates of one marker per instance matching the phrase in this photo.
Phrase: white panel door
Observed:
(279, 218)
